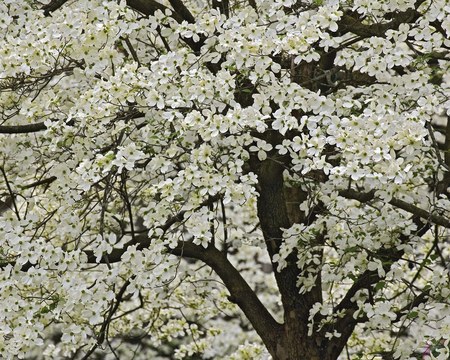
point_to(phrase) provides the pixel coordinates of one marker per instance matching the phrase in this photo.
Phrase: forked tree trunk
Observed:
(293, 343)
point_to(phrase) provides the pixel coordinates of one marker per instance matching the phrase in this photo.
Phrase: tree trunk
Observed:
(295, 344)
(274, 216)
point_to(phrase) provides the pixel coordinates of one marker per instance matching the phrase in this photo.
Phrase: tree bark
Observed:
(274, 216)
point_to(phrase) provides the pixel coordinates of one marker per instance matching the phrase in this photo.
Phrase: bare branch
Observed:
(424, 214)
(53, 6)
(223, 6)
(11, 193)
(149, 7)
(351, 23)
(132, 50)
(38, 183)
(241, 293)
(22, 129)
(447, 143)
(436, 147)
(102, 333)
(143, 241)
(181, 9)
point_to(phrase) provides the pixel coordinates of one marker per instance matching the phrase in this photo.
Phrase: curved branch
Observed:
(46, 181)
(22, 129)
(32, 128)
(424, 214)
(143, 241)
(241, 293)
(351, 23)
(104, 328)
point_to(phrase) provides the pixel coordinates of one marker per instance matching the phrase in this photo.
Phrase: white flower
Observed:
(127, 156)
(261, 147)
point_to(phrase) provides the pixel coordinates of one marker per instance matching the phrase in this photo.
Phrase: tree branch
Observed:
(53, 6)
(181, 9)
(31, 128)
(419, 299)
(447, 143)
(143, 241)
(11, 193)
(424, 214)
(103, 330)
(346, 324)
(351, 23)
(223, 6)
(22, 129)
(149, 7)
(46, 181)
(241, 293)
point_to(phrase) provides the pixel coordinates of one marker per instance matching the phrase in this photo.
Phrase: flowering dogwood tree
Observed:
(224, 179)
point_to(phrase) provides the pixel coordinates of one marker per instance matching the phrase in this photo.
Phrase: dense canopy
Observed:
(224, 179)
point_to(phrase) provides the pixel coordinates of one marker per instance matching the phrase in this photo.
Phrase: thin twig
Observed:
(436, 147)
(11, 193)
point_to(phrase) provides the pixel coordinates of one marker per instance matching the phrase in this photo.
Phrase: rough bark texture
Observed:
(294, 342)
